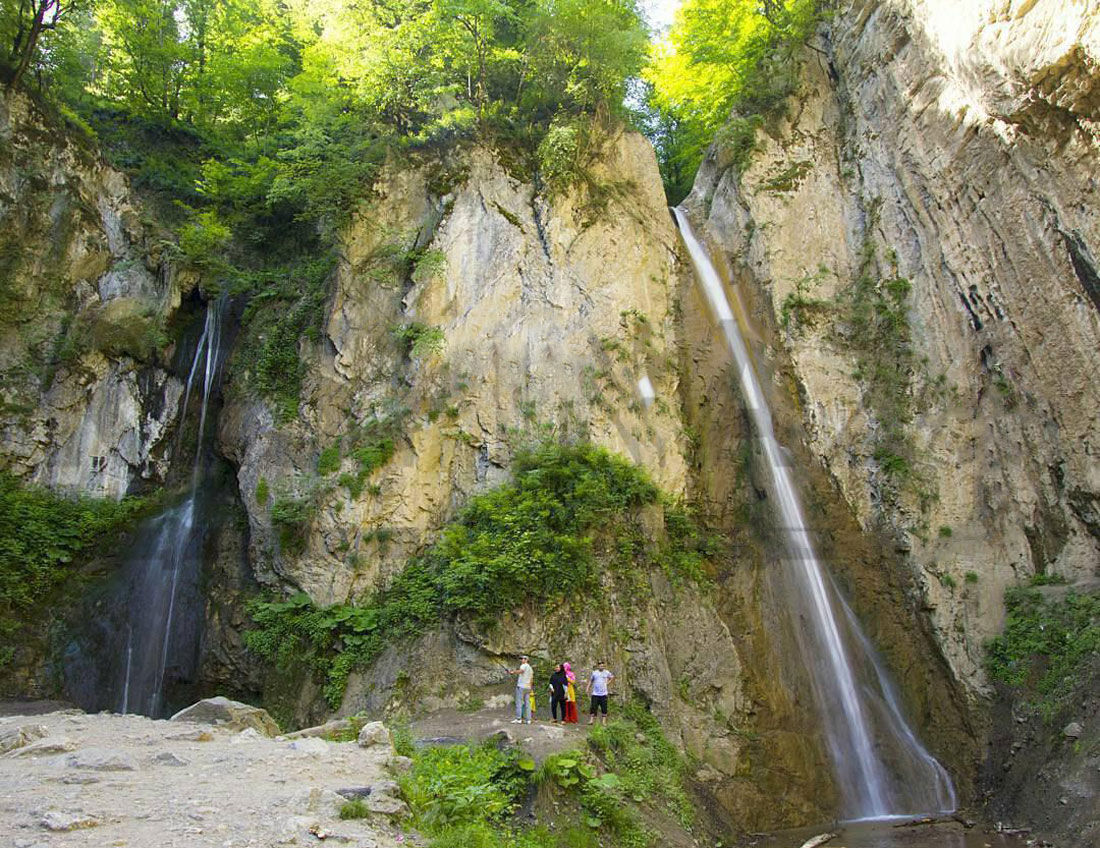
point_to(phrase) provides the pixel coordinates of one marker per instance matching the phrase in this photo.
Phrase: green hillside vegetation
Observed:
(725, 66)
(44, 539)
(569, 513)
(467, 796)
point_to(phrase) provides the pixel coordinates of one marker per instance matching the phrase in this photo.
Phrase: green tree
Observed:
(26, 24)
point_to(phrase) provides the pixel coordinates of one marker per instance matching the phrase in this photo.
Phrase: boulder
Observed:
(42, 747)
(23, 734)
(57, 820)
(101, 759)
(229, 714)
(1073, 730)
(374, 733)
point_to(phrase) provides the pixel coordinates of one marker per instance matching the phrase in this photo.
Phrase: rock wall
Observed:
(551, 313)
(552, 309)
(932, 187)
(954, 150)
(84, 406)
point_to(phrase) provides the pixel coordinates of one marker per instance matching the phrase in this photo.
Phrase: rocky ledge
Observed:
(69, 778)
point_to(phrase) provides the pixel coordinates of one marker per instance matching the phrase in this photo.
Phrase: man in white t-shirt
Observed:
(524, 684)
(599, 684)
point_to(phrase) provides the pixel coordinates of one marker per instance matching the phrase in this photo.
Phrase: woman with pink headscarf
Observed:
(570, 695)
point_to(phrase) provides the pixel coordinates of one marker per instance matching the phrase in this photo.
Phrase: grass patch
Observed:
(356, 808)
(533, 540)
(1046, 646)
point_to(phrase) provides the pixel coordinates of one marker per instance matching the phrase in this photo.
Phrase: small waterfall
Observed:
(162, 599)
(136, 637)
(881, 767)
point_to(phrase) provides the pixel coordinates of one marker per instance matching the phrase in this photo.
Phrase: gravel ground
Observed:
(113, 781)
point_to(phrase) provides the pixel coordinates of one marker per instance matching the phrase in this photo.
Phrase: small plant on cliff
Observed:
(290, 516)
(286, 306)
(419, 340)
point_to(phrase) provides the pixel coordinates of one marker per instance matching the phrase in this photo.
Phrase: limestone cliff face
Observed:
(84, 406)
(944, 154)
(550, 312)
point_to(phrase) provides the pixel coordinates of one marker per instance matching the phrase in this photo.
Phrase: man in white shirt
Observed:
(524, 684)
(599, 684)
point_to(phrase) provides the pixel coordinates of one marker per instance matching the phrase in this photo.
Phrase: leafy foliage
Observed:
(43, 539)
(531, 540)
(725, 66)
(1047, 645)
(287, 304)
(461, 785)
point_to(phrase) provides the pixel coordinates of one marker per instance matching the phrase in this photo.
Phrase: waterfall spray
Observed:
(881, 767)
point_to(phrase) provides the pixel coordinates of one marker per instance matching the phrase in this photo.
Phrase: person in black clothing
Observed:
(558, 682)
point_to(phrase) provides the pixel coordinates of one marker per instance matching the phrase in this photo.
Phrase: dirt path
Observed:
(539, 739)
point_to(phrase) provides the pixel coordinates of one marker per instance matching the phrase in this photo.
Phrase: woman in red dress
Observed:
(570, 695)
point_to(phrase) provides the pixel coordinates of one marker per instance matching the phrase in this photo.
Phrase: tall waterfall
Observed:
(882, 769)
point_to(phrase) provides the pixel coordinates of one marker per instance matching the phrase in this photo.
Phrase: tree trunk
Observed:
(31, 43)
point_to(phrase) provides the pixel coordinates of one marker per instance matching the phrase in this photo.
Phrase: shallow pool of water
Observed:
(896, 834)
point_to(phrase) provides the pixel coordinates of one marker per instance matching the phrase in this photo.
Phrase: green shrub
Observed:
(44, 537)
(329, 460)
(1046, 645)
(560, 155)
(418, 339)
(263, 492)
(462, 785)
(290, 515)
(528, 541)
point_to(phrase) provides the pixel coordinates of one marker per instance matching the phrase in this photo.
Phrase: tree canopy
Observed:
(723, 64)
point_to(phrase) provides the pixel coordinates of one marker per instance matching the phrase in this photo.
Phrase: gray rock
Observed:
(309, 745)
(354, 792)
(16, 737)
(61, 821)
(329, 728)
(1073, 730)
(384, 798)
(101, 759)
(167, 758)
(232, 715)
(374, 733)
(42, 747)
(398, 764)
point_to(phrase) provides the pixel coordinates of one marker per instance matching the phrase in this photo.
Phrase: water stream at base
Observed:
(882, 769)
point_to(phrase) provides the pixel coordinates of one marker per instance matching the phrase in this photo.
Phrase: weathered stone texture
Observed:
(960, 141)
